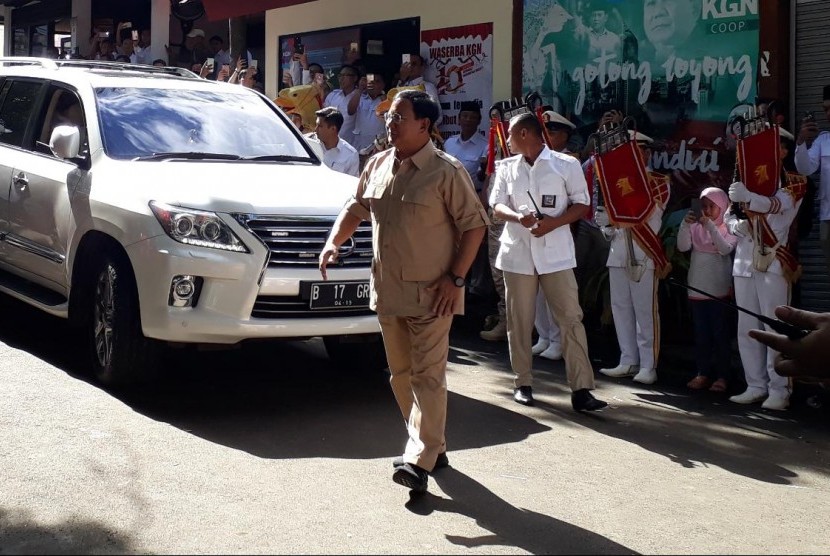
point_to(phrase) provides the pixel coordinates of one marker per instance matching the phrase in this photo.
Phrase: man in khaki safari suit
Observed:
(427, 224)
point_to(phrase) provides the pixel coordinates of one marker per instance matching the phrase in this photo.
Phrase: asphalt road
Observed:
(270, 449)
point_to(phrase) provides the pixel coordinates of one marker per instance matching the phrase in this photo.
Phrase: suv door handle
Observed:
(21, 181)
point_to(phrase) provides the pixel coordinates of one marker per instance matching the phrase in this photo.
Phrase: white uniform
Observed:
(761, 292)
(338, 99)
(367, 125)
(634, 304)
(341, 158)
(469, 153)
(555, 181)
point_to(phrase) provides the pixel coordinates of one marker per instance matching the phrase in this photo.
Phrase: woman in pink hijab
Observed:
(710, 270)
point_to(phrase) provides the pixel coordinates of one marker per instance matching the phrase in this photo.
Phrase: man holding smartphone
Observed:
(412, 71)
(367, 125)
(812, 152)
(340, 98)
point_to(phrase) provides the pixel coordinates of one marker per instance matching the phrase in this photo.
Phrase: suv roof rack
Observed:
(27, 61)
(48, 63)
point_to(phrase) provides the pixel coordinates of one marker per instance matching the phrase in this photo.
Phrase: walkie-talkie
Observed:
(538, 214)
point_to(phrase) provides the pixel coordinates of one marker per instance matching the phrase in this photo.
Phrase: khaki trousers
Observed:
(417, 350)
(563, 299)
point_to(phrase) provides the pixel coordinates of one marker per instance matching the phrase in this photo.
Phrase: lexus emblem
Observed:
(346, 249)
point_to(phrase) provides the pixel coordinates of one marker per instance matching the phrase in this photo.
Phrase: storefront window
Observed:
(21, 41)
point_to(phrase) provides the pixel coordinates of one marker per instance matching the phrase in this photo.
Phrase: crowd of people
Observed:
(432, 212)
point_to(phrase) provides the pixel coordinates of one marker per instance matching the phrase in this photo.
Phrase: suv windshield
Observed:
(143, 122)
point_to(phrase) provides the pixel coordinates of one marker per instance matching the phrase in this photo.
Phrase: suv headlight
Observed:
(196, 227)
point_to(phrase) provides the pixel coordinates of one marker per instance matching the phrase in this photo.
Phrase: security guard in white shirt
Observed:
(539, 250)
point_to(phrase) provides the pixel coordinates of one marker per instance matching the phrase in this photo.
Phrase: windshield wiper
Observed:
(279, 158)
(192, 155)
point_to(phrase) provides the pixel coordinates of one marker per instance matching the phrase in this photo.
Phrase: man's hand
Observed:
(405, 71)
(807, 357)
(808, 131)
(327, 255)
(361, 85)
(738, 193)
(528, 220)
(447, 296)
(546, 226)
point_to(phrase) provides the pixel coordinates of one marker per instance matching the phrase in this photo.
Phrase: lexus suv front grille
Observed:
(296, 241)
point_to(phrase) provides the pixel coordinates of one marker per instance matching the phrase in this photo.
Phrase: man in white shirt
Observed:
(367, 124)
(337, 154)
(812, 152)
(538, 249)
(469, 146)
(339, 98)
(412, 74)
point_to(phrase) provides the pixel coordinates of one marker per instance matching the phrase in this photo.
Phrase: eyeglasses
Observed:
(393, 118)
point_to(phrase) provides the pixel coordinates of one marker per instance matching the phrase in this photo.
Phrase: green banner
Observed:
(680, 68)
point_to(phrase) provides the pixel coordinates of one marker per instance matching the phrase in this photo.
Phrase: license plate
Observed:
(338, 295)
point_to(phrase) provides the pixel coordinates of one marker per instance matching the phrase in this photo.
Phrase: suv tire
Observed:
(121, 354)
(359, 352)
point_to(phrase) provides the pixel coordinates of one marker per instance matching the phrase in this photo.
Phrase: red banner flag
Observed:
(623, 179)
(759, 161)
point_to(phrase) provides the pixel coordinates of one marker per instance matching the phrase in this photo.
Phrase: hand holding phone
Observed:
(135, 35)
(319, 78)
(697, 211)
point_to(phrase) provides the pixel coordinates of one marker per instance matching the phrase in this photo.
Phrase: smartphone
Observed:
(370, 77)
(135, 35)
(405, 58)
(696, 208)
(254, 64)
(104, 34)
(226, 68)
(299, 48)
(353, 47)
(319, 78)
(210, 63)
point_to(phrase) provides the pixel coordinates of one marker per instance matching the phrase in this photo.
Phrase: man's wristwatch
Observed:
(457, 280)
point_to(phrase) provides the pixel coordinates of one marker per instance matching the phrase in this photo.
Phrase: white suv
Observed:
(148, 205)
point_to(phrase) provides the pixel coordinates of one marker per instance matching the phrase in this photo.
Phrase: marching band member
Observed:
(633, 284)
(764, 270)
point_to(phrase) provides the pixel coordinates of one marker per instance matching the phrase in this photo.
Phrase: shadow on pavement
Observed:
(511, 526)
(21, 535)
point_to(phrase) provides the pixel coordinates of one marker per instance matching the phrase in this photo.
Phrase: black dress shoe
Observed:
(583, 400)
(523, 395)
(412, 477)
(440, 463)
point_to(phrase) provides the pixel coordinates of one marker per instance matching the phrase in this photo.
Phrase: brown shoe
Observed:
(699, 382)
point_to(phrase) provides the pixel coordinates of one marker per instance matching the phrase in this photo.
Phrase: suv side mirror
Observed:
(65, 141)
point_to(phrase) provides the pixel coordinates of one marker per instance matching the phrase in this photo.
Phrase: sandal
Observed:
(719, 385)
(699, 382)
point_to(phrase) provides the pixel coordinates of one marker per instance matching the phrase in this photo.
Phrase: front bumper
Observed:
(230, 289)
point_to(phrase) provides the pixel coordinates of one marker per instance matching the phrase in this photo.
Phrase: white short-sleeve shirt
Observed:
(556, 182)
